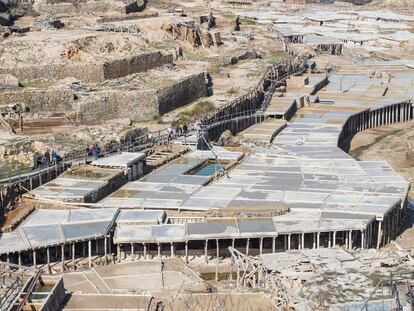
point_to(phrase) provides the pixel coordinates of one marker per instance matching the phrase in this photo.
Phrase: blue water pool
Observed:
(208, 170)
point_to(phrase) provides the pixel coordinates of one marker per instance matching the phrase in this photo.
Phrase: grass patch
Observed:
(41, 84)
(195, 111)
(376, 278)
(222, 276)
(275, 57)
(10, 167)
(231, 91)
(247, 21)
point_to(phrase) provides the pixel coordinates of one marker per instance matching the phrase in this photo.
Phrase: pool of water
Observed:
(208, 170)
(38, 296)
(43, 287)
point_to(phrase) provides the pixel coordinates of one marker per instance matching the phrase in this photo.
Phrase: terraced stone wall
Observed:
(83, 72)
(140, 105)
(91, 73)
(39, 100)
(138, 63)
(182, 93)
(82, 7)
(136, 105)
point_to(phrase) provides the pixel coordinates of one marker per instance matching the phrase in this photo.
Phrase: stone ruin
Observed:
(191, 32)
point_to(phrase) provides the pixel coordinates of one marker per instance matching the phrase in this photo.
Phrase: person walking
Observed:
(185, 131)
(170, 134)
(181, 127)
(46, 158)
(54, 156)
(37, 160)
(97, 151)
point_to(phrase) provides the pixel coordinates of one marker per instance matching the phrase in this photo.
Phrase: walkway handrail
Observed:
(138, 143)
(260, 88)
(4, 300)
(29, 290)
(229, 117)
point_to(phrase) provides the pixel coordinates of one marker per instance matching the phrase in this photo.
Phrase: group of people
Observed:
(47, 159)
(94, 150)
(182, 129)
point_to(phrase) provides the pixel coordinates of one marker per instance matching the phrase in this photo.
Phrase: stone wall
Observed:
(140, 105)
(39, 100)
(181, 93)
(131, 16)
(85, 72)
(139, 63)
(82, 7)
(92, 73)
(105, 105)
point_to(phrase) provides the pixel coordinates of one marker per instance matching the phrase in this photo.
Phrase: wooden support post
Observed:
(106, 249)
(302, 244)
(318, 240)
(34, 259)
(73, 256)
(362, 239)
(261, 246)
(90, 254)
(217, 258)
(205, 251)
(186, 251)
(289, 241)
(119, 252)
(63, 256)
(48, 258)
(314, 240)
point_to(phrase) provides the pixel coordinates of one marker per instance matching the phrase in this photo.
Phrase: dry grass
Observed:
(195, 111)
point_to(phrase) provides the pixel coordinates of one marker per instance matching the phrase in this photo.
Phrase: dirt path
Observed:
(390, 143)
